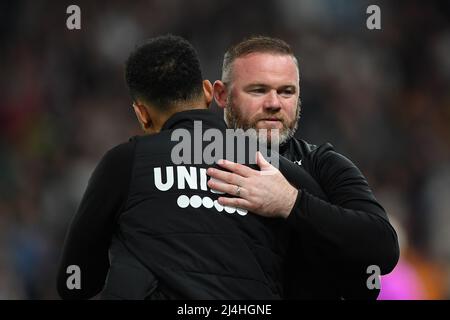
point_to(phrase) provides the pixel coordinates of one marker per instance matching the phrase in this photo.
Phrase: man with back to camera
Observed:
(147, 228)
(337, 237)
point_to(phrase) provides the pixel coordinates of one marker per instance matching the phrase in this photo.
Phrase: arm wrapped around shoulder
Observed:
(350, 227)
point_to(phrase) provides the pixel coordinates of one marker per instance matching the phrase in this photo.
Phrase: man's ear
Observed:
(207, 91)
(142, 115)
(220, 93)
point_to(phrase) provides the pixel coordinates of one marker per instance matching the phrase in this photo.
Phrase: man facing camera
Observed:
(337, 236)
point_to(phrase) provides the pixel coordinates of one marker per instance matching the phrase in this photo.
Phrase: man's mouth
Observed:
(271, 120)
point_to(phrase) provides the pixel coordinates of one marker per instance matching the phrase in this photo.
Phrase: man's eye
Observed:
(287, 92)
(258, 90)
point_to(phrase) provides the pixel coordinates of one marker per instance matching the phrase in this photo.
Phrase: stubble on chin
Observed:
(235, 121)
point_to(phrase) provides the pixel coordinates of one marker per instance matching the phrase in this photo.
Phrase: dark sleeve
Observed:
(89, 234)
(351, 226)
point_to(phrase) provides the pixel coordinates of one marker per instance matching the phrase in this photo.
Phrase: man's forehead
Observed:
(265, 67)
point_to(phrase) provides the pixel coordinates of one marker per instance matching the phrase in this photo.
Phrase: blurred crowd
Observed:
(381, 97)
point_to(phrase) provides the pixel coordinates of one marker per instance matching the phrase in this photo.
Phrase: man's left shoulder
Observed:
(318, 157)
(310, 150)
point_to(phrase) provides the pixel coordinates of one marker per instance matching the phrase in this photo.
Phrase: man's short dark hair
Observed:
(163, 71)
(254, 44)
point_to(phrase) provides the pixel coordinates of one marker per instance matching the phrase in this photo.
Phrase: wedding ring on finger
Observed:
(238, 191)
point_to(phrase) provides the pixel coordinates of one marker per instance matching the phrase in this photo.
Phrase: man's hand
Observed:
(264, 192)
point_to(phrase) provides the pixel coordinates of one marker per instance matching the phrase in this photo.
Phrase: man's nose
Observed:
(272, 101)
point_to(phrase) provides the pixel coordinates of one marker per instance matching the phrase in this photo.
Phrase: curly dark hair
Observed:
(163, 71)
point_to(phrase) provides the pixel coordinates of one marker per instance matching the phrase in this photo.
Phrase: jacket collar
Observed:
(187, 118)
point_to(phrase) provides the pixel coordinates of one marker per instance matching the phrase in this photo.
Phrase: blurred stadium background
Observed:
(381, 98)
